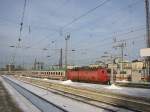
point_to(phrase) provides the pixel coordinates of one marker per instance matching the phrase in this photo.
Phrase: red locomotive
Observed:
(96, 75)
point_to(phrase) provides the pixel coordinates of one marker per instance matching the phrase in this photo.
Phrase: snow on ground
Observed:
(21, 101)
(138, 92)
(64, 102)
(124, 81)
(67, 82)
(45, 79)
(113, 86)
(28, 77)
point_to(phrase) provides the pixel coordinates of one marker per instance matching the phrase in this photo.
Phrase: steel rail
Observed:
(42, 104)
(73, 96)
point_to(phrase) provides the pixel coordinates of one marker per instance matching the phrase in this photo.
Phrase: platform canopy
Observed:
(145, 52)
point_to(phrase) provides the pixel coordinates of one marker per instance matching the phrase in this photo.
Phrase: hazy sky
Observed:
(91, 35)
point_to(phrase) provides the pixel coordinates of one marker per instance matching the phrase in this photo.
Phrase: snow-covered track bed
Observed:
(39, 102)
(91, 96)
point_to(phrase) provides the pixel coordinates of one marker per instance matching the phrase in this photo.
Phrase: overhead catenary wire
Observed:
(121, 34)
(134, 3)
(99, 45)
(80, 17)
(46, 28)
(115, 14)
(85, 14)
(108, 43)
(118, 34)
(76, 19)
(132, 29)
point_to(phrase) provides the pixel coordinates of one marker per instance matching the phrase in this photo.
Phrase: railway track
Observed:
(90, 96)
(137, 85)
(78, 98)
(42, 104)
(7, 104)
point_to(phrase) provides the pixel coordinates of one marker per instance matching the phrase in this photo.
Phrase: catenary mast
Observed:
(147, 34)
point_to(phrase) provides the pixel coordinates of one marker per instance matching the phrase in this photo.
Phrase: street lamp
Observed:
(48, 56)
(12, 46)
(45, 49)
